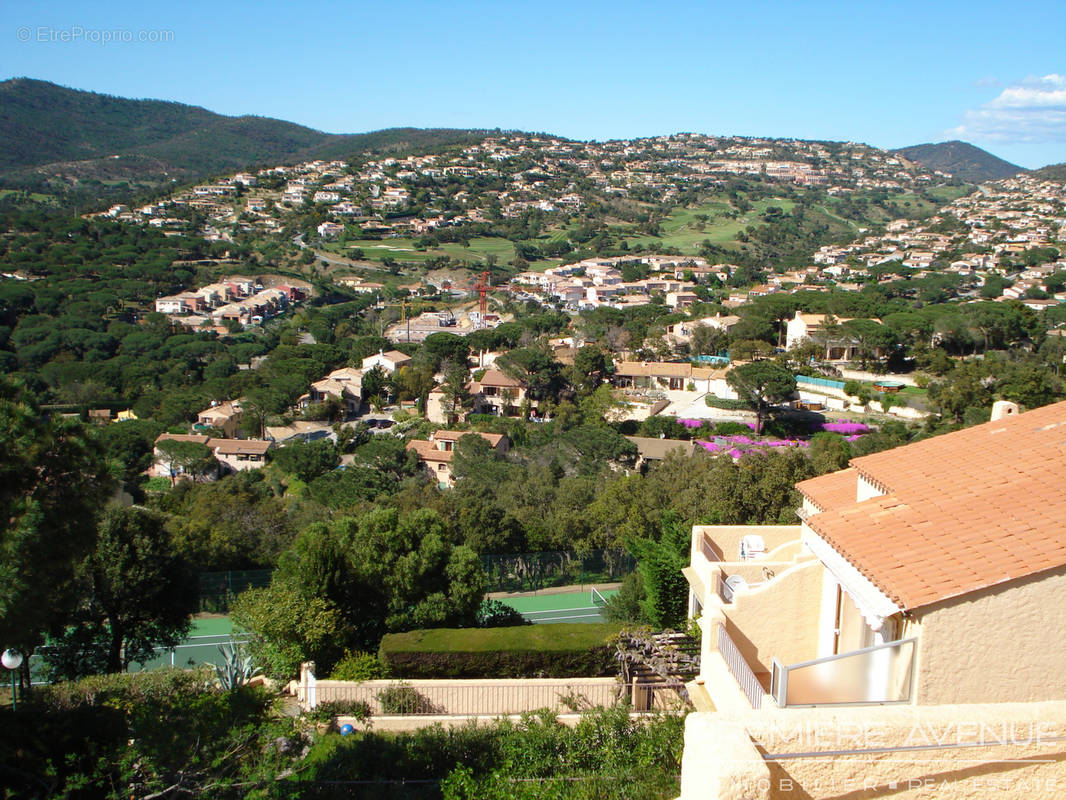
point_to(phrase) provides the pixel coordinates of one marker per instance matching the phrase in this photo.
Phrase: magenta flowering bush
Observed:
(844, 427)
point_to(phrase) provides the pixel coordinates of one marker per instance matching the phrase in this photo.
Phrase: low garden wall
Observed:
(898, 752)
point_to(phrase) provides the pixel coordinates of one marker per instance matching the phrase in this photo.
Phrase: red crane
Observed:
(482, 288)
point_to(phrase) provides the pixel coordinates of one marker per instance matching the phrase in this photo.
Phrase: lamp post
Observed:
(12, 660)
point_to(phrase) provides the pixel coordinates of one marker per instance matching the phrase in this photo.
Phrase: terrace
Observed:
(823, 652)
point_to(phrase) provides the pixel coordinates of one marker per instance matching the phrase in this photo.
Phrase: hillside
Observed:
(51, 131)
(1052, 172)
(961, 159)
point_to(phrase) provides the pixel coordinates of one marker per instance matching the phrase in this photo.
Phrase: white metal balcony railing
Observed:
(874, 675)
(708, 550)
(739, 668)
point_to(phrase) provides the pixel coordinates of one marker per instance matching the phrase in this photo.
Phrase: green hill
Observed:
(50, 131)
(961, 159)
(1052, 172)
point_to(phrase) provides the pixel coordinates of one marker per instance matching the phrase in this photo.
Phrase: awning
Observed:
(874, 605)
(694, 581)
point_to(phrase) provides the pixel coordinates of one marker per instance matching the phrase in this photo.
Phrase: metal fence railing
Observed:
(488, 698)
(739, 668)
(826, 382)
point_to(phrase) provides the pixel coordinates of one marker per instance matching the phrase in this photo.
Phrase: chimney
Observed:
(1003, 408)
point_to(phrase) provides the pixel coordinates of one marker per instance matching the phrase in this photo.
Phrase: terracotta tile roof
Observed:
(493, 377)
(427, 451)
(657, 449)
(960, 512)
(239, 446)
(183, 437)
(453, 436)
(664, 369)
(831, 491)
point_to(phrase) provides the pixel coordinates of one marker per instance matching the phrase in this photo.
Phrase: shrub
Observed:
(358, 666)
(726, 403)
(495, 614)
(140, 731)
(325, 712)
(556, 651)
(731, 429)
(404, 699)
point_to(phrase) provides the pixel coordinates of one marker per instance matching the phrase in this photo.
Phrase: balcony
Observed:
(877, 675)
(716, 552)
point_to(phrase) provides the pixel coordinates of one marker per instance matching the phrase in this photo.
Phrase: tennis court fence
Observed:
(508, 572)
(531, 572)
(193, 652)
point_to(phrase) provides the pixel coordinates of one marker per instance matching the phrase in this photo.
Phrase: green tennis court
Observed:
(206, 634)
(583, 605)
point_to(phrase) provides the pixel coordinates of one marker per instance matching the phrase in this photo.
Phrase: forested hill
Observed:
(1052, 172)
(962, 160)
(53, 131)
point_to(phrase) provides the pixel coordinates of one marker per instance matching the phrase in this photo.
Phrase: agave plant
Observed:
(236, 668)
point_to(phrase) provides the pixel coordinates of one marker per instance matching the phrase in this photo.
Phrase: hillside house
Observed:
(231, 455)
(813, 327)
(223, 417)
(499, 394)
(238, 455)
(344, 386)
(389, 361)
(673, 376)
(435, 454)
(930, 574)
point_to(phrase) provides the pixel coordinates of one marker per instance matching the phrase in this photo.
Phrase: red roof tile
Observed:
(963, 511)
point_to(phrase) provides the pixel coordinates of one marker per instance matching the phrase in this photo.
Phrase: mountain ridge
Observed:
(47, 127)
(961, 159)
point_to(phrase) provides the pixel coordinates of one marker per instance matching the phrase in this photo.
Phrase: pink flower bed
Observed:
(844, 427)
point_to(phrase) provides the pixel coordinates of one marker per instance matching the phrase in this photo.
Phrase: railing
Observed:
(880, 674)
(725, 591)
(739, 668)
(707, 548)
(486, 698)
(193, 652)
(825, 382)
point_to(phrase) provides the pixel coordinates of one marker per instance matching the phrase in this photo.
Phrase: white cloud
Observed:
(1032, 110)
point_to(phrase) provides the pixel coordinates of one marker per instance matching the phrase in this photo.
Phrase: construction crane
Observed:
(482, 288)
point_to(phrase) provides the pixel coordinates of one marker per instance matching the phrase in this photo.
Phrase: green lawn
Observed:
(403, 249)
(574, 636)
(682, 229)
(35, 196)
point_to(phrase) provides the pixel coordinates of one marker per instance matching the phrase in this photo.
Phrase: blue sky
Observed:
(886, 73)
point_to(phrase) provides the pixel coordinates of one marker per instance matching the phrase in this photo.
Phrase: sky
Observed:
(889, 74)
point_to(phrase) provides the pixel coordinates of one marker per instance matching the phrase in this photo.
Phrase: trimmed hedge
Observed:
(569, 650)
(726, 403)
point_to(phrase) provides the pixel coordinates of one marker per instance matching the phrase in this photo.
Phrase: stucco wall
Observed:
(483, 696)
(727, 537)
(1019, 754)
(779, 618)
(1001, 644)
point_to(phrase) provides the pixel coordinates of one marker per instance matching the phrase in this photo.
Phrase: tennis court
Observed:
(206, 634)
(581, 605)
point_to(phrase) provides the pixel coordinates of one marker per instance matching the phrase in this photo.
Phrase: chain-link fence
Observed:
(193, 652)
(219, 589)
(530, 572)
